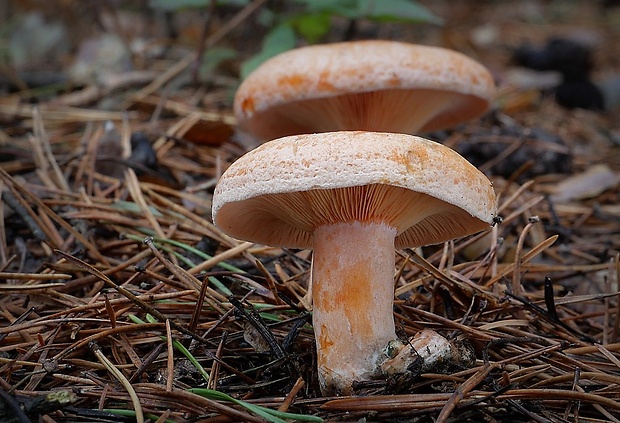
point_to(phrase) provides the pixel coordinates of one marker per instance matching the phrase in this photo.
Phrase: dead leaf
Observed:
(588, 184)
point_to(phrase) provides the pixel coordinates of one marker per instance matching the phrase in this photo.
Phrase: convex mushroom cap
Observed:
(384, 86)
(278, 193)
(352, 197)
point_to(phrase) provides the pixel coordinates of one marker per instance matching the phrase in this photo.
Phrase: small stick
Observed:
(291, 395)
(208, 264)
(463, 390)
(170, 361)
(148, 360)
(549, 298)
(34, 276)
(215, 368)
(133, 186)
(517, 289)
(271, 282)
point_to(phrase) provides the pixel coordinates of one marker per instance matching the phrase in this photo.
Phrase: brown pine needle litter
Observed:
(121, 301)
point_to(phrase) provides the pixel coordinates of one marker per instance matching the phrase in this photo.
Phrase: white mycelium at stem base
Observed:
(353, 291)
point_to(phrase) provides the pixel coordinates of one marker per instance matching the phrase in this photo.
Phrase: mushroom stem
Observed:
(353, 293)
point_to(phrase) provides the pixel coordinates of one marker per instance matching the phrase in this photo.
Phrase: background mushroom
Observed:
(352, 197)
(384, 86)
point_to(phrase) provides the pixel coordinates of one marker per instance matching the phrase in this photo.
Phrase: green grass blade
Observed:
(177, 345)
(264, 412)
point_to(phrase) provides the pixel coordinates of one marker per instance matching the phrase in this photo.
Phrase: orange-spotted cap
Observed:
(384, 86)
(278, 193)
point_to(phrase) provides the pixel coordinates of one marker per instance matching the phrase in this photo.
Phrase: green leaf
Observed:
(136, 319)
(278, 40)
(178, 4)
(347, 8)
(192, 4)
(396, 10)
(312, 27)
(378, 10)
(214, 57)
(266, 17)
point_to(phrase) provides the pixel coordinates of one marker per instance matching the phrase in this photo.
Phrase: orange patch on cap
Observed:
(292, 80)
(247, 105)
(324, 84)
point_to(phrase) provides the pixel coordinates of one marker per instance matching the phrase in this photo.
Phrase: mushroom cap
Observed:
(375, 85)
(278, 193)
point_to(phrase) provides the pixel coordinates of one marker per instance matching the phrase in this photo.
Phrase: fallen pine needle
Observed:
(121, 378)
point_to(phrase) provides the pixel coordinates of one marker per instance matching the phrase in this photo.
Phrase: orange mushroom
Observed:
(383, 86)
(352, 197)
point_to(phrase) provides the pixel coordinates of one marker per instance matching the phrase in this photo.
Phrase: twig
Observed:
(215, 368)
(213, 261)
(550, 299)
(170, 360)
(517, 289)
(524, 259)
(133, 185)
(463, 390)
(34, 276)
(288, 400)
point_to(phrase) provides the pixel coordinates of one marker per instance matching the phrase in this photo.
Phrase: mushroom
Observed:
(383, 86)
(352, 197)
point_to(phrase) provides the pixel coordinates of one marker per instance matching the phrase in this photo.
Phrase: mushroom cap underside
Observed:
(278, 193)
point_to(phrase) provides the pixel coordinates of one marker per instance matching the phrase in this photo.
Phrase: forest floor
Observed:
(121, 301)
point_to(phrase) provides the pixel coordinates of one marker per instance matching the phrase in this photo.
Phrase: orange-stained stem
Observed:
(353, 293)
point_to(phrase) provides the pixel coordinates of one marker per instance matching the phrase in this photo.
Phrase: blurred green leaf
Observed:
(266, 17)
(396, 10)
(178, 4)
(192, 4)
(312, 27)
(381, 10)
(347, 8)
(214, 57)
(312, 23)
(278, 40)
